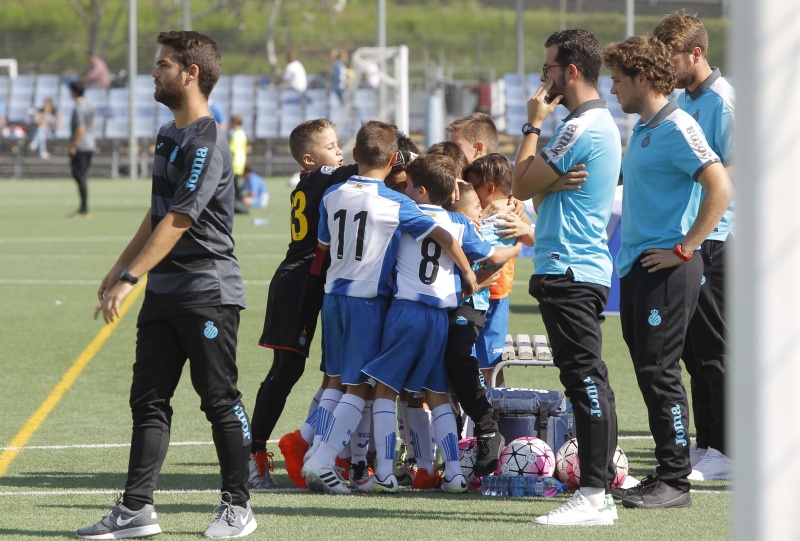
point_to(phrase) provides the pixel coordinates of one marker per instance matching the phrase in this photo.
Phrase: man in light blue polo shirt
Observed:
(663, 223)
(572, 262)
(709, 98)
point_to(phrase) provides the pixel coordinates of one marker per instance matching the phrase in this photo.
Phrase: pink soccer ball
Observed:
(468, 452)
(526, 456)
(568, 466)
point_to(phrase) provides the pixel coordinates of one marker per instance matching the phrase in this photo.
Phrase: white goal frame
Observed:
(392, 65)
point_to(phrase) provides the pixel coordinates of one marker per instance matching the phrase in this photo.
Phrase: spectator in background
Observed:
(97, 75)
(339, 72)
(47, 121)
(2, 118)
(483, 91)
(294, 75)
(254, 191)
(218, 113)
(237, 141)
(81, 145)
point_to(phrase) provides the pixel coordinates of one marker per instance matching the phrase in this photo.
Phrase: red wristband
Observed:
(678, 251)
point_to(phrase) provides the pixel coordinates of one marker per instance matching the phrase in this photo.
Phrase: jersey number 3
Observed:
(299, 221)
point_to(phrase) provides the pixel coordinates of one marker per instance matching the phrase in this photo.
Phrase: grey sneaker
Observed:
(122, 523)
(232, 520)
(260, 466)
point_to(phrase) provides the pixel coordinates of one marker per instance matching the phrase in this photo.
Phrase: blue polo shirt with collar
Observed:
(571, 224)
(711, 104)
(665, 156)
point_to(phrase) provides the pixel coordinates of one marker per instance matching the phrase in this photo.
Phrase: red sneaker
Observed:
(294, 447)
(344, 465)
(425, 481)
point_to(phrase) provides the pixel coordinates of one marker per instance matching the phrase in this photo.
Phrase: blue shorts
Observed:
(351, 332)
(490, 343)
(412, 348)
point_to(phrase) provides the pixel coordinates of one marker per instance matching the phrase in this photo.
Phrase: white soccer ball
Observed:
(526, 456)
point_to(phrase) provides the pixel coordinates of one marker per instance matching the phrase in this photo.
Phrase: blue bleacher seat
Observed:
(163, 115)
(98, 97)
(20, 99)
(221, 95)
(243, 89)
(266, 123)
(316, 103)
(117, 117)
(46, 87)
(366, 104)
(291, 110)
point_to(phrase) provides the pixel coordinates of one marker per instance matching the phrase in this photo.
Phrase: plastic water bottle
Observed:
(260, 221)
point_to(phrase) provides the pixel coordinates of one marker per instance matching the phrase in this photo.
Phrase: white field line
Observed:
(26, 282)
(119, 238)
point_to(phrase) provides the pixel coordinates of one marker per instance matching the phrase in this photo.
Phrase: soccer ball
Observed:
(568, 467)
(621, 463)
(468, 452)
(526, 456)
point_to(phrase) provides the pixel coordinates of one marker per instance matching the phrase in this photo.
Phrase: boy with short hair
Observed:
(475, 134)
(491, 177)
(426, 286)
(361, 222)
(295, 300)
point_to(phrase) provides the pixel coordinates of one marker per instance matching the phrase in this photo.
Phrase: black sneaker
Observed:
(620, 493)
(658, 495)
(489, 448)
(122, 523)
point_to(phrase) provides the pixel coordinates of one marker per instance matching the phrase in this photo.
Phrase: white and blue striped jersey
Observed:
(711, 104)
(665, 157)
(362, 221)
(425, 273)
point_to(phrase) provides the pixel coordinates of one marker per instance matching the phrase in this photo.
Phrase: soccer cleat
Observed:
(409, 472)
(714, 466)
(425, 481)
(620, 493)
(576, 512)
(261, 464)
(399, 460)
(373, 484)
(456, 485)
(359, 473)
(293, 447)
(658, 495)
(610, 507)
(344, 466)
(489, 448)
(122, 523)
(232, 520)
(323, 477)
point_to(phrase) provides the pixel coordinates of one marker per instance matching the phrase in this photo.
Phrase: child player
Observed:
(295, 299)
(491, 176)
(426, 286)
(361, 222)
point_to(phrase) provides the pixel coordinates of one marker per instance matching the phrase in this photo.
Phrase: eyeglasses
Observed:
(546, 67)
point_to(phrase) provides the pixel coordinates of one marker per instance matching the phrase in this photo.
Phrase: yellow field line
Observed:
(40, 415)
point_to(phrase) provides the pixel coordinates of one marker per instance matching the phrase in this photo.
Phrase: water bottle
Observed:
(539, 485)
(260, 221)
(518, 486)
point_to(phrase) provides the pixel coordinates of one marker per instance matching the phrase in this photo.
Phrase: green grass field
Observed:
(73, 451)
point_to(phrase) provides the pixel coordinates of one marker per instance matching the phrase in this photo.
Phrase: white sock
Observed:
(385, 436)
(359, 444)
(344, 420)
(419, 422)
(596, 496)
(444, 429)
(307, 430)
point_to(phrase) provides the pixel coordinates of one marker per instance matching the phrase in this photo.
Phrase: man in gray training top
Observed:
(192, 301)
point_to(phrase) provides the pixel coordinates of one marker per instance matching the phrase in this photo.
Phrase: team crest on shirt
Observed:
(646, 140)
(359, 185)
(327, 169)
(696, 115)
(302, 338)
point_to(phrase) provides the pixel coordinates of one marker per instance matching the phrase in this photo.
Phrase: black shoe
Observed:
(489, 448)
(620, 493)
(658, 495)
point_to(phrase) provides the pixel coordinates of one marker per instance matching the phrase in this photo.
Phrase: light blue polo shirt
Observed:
(711, 104)
(571, 224)
(660, 167)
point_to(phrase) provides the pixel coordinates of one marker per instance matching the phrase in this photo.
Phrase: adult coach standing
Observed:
(571, 257)
(193, 297)
(663, 224)
(81, 146)
(709, 98)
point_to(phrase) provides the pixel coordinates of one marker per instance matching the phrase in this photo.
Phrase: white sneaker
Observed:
(714, 466)
(311, 451)
(610, 507)
(323, 477)
(456, 485)
(373, 484)
(696, 454)
(576, 512)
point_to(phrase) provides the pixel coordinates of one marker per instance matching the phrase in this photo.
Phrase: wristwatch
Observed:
(125, 276)
(527, 129)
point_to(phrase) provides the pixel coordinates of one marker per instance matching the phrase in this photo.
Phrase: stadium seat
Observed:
(46, 87)
(291, 110)
(266, 123)
(20, 99)
(117, 114)
(243, 89)
(221, 95)
(98, 97)
(366, 104)
(316, 104)
(163, 115)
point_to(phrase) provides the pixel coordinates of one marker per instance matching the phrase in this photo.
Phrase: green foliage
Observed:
(48, 36)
